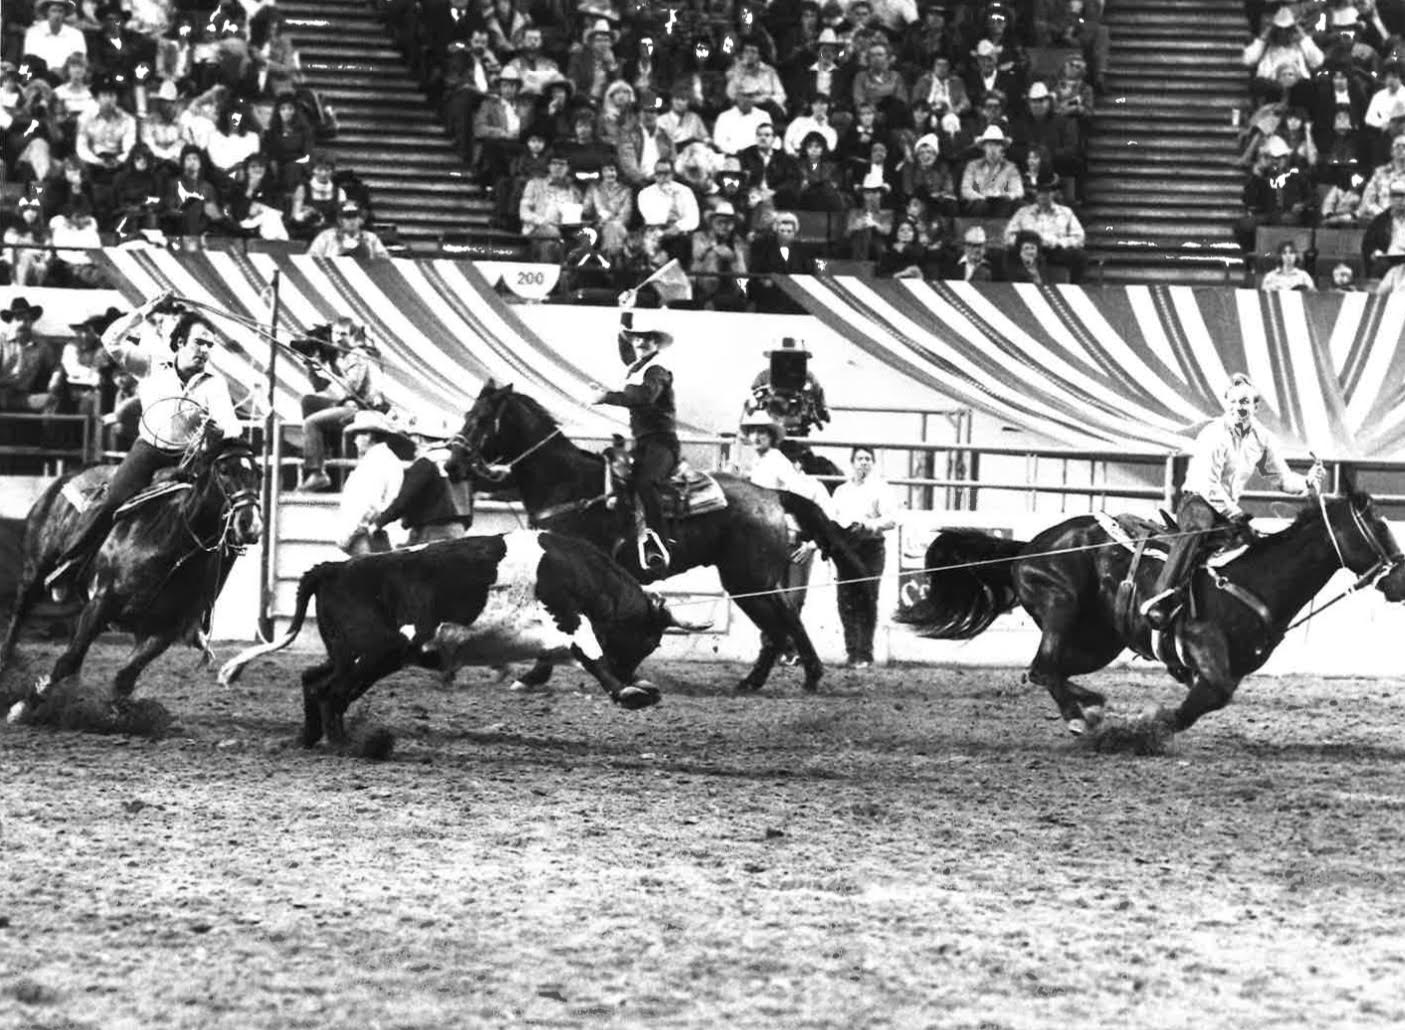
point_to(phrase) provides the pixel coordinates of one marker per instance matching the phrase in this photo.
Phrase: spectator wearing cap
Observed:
(991, 184)
(160, 131)
(609, 208)
(1042, 127)
(549, 202)
(1055, 228)
(668, 204)
(779, 252)
(533, 66)
(594, 68)
(816, 121)
(880, 84)
(52, 39)
(1282, 43)
(1280, 194)
(31, 378)
(1375, 198)
(680, 123)
(735, 129)
(643, 143)
(104, 138)
(348, 238)
(750, 76)
(927, 177)
(769, 169)
(986, 74)
(718, 253)
(1383, 244)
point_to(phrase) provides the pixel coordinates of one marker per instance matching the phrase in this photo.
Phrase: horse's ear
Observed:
(1346, 478)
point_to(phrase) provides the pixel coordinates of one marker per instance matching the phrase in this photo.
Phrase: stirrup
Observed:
(56, 582)
(652, 551)
(1155, 608)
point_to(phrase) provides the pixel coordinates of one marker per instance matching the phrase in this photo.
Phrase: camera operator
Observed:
(788, 391)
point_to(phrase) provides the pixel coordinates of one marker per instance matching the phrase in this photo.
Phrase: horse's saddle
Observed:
(83, 496)
(689, 492)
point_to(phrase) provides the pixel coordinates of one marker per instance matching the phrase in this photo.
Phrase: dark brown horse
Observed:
(562, 489)
(1068, 579)
(161, 567)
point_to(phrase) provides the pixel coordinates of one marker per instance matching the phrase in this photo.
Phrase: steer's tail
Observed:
(307, 586)
(970, 581)
(827, 534)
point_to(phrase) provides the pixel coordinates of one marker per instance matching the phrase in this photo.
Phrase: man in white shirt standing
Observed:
(864, 507)
(180, 398)
(52, 39)
(372, 485)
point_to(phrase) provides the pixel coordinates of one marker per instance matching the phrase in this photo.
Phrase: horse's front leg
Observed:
(145, 651)
(1212, 683)
(91, 621)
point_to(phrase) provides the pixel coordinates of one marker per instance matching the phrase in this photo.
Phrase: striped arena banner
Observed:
(1137, 365)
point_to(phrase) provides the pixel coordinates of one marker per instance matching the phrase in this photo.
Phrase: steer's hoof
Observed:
(17, 713)
(1077, 726)
(642, 694)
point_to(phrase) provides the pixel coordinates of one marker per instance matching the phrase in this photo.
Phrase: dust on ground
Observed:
(913, 847)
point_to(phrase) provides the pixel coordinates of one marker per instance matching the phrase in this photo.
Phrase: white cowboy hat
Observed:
(1284, 18)
(366, 421)
(985, 48)
(827, 38)
(722, 209)
(993, 134)
(929, 140)
(760, 420)
(1039, 91)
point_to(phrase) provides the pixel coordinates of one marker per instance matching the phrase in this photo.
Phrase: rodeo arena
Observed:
(694, 513)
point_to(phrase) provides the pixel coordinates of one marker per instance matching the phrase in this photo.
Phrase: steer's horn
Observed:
(685, 625)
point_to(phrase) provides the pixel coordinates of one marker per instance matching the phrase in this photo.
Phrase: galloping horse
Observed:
(1068, 579)
(563, 488)
(162, 565)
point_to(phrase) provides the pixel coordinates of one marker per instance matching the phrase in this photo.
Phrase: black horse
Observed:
(1069, 578)
(161, 567)
(563, 488)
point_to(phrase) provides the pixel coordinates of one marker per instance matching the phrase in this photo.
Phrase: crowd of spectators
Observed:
(1324, 143)
(620, 136)
(160, 120)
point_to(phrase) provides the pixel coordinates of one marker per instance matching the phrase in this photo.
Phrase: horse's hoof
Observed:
(638, 695)
(812, 683)
(1093, 716)
(1077, 726)
(519, 687)
(747, 687)
(17, 712)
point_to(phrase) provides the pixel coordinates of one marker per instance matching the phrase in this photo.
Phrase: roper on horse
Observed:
(151, 562)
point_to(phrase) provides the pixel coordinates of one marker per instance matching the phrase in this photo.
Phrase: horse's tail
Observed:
(970, 581)
(307, 586)
(827, 534)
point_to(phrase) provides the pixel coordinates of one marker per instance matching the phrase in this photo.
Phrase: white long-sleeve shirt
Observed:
(368, 491)
(775, 472)
(868, 504)
(1225, 459)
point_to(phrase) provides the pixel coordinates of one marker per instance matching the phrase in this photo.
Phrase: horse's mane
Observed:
(536, 408)
(1310, 514)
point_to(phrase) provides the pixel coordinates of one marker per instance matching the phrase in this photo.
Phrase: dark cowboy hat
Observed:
(21, 308)
(112, 9)
(98, 323)
(789, 345)
(1047, 181)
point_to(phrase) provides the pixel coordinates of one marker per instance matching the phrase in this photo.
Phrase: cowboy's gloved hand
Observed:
(1316, 476)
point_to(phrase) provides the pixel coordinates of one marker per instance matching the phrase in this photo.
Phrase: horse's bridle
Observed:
(478, 464)
(232, 504)
(1386, 561)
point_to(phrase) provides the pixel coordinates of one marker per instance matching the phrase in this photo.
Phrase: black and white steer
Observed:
(480, 600)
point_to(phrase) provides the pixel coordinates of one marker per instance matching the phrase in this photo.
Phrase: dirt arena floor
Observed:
(914, 847)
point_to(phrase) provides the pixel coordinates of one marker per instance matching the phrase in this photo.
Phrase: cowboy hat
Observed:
(1284, 19)
(98, 323)
(827, 38)
(994, 134)
(928, 140)
(1046, 180)
(41, 7)
(722, 209)
(21, 308)
(759, 420)
(985, 48)
(367, 421)
(112, 9)
(1038, 91)
(789, 345)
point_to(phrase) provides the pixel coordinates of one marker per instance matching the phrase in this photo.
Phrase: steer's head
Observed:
(635, 643)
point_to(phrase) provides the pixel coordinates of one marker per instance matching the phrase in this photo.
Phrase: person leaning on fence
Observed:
(864, 507)
(1226, 455)
(353, 385)
(31, 378)
(178, 391)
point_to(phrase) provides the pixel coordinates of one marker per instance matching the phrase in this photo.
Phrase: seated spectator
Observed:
(137, 191)
(820, 178)
(1055, 133)
(926, 177)
(1342, 47)
(1296, 131)
(644, 254)
(1333, 92)
(750, 76)
(75, 93)
(1055, 228)
(1342, 149)
(991, 185)
(502, 117)
(548, 203)
(769, 169)
(875, 166)
(594, 69)
(504, 23)
(780, 253)
(1340, 204)
(904, 254)
(235, 139)
(817, 121)
(1073, 96)
(87, 367)
(717, 254)
(469, 76)
(931, 40)
(201, 116)
(255, 200)
(1036, 167)
(644, 70)
(643, 142)
(617, 112)
(1281, 43)
(818, 73)
(288, 141)
(609, 208)
(986, 74)
(1383, 244)
(529, 164)
(1280, 194)
(105, 137)
(160, 131)
(1386, 111)
(669, 205)
(585, 151)
(681, 123)
(191, 206)
(26, 240)
(730, 185)
(348, 238)
(880, 84)
(51, 39)
(869, 223)
(1028, 264)
(277, 66)
(735, 129)
(354, 385)
(114, 49)
(1344, 278)
(1375, 198)
(856, 141)
(533, 67)
(992, 111)
(35, 135)
(316, 200)
(974, 264)
(31, 378)
(75, 227)
(703, 80)
(1287, 276)
(70, 179)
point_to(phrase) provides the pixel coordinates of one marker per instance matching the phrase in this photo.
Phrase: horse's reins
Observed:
(1385, 562)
